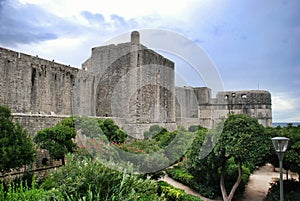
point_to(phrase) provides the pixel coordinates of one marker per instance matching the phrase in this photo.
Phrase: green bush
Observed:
(20, 190)
(174, 194)
(139, 146)
(194, 128)
(87, 179)
(112, 131)
(153, 131)
(188, 197)
(180, 142)
(180, 174)
(291, 191)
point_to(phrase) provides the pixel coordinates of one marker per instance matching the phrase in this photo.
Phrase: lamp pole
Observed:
(280, 144)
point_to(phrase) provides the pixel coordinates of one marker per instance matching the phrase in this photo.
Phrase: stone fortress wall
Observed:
(127, 82)
(30, 84)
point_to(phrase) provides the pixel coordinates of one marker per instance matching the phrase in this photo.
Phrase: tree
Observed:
(292, 155)
(58, 140)
(243, 140)
(240, 145)
(16, 147)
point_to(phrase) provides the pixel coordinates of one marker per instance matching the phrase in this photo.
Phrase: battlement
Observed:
(245, 97)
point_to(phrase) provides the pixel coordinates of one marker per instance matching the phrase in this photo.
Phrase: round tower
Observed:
(135, 37)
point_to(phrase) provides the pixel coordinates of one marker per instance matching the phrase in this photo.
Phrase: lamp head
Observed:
(280, 144)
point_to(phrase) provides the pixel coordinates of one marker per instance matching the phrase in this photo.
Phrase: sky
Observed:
(253, 44)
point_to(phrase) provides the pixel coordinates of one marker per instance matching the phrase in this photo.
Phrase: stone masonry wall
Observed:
(37, 122)
(255, 103)
(127, 81)
(31, 84)
(132, 82)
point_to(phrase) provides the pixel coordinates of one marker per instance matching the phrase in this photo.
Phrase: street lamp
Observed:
(280, 145)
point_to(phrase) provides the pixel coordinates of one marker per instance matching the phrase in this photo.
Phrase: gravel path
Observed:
(187, 189)
(256, 190)
(259, 183)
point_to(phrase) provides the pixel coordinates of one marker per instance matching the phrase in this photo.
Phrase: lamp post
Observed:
(280, 145)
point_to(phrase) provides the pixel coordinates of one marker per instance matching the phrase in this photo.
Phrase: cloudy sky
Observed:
(254, 44)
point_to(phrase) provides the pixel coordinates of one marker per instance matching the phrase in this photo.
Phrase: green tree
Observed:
(242, 139)
(241, 146)
(58, 140)
(16, 147)
(292, 155)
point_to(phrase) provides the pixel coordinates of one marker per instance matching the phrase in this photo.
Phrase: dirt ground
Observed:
(259, 182)
(256, 190)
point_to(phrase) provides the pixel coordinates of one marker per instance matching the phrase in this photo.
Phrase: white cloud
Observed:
(285, 107)
(127, 9)
(284, 103)
(69, 51)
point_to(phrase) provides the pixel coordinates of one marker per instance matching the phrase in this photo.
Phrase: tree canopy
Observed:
(242, 143)
(291, 159)
(16, 147)
(58, 140)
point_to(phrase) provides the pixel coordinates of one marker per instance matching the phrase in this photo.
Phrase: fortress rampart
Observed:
(31, 84)
(127, 82)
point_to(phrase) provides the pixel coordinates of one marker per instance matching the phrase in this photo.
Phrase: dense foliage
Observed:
(112, 131)
(241, 146)
(292, 156)
(291, 191)
(158, 150)
(200, 158)
(82, 178)
(174, 194)
(16, 147)
(58, 140)
(90, 180)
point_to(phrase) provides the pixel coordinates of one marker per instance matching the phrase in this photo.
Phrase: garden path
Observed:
(256, 190)
(259, 182)
(187, 189)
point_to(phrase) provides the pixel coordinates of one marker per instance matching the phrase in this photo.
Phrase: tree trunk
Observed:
(63, 160)
(235, 186)
(222, 183)
(287, 174)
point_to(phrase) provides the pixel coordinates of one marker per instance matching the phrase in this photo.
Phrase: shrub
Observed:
(291, 191)
(194, 128)
(180, 174)
(188, 197)
(21, 190)
(90, 179)
(174, 194)
(112, 131)
(153, 131)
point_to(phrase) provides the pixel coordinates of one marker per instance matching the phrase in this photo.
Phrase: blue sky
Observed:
(254, 44)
